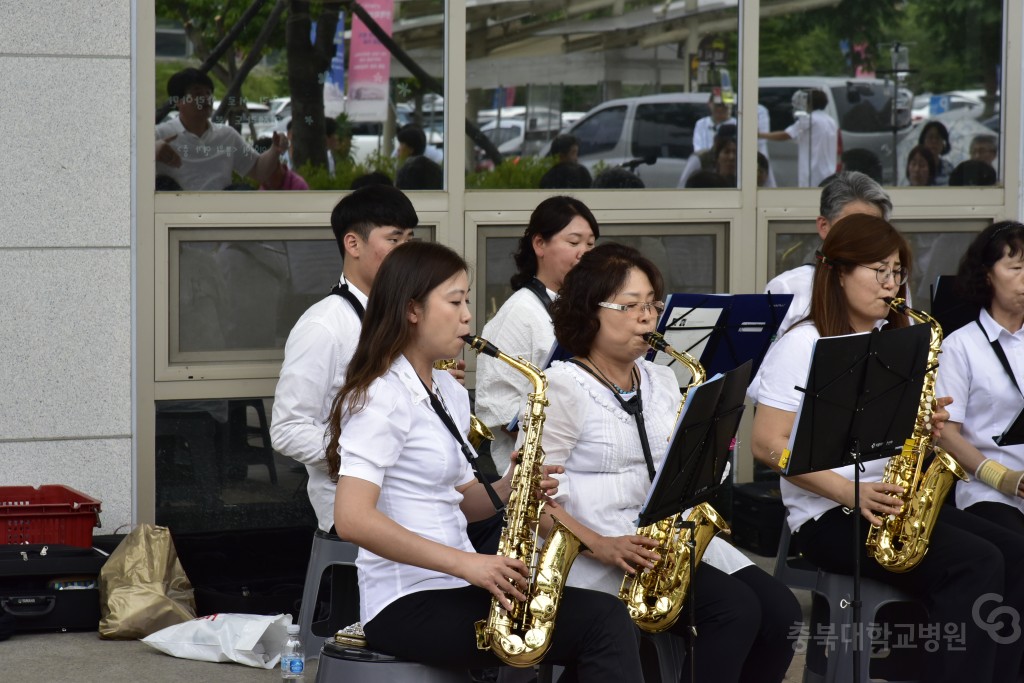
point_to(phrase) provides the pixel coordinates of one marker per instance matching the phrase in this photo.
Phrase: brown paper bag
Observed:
(143, 587)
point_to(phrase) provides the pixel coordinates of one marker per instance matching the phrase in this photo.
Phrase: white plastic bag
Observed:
(248, 639)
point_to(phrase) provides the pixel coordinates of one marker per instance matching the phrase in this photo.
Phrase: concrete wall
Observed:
(65, 249)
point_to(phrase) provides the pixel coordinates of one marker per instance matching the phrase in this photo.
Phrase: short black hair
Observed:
(819, 100)
(180, 83)
(562, 144)
(419, 173)
(972, 281)
(941, 128)
(414, 138)
(617, 178)
(263, 144)
(600, 273)
(973, 172)
(371, 178)
(370, 207)
(566, 176)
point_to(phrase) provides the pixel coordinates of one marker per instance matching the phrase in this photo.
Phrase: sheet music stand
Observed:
(696, 459)
(722, 330)
(860, 404)
(948, 308)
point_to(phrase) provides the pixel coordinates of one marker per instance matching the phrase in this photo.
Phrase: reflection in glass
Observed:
(631, 83)
(687, 262)
(313, 78)
(216, 469)
(888, 70)
(935, 253)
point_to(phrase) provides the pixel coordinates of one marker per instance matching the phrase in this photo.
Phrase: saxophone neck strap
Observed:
(633, 406)
(341, 289)
(997, 348)
(540, 291)
(449, 423)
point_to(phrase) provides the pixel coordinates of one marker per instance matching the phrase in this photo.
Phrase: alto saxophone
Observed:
(654, 597)
(522, 636)
(902, 540)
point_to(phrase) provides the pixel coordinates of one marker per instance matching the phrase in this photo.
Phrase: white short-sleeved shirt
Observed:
(817, 137)
(784, 369)
(799, 281)
(399, 443)
(985, 399)
(316, 358)
(207, 161)
(521, 328)
(606, 481)
(704, 132)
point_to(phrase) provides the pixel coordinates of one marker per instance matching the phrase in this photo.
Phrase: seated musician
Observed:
(406, 489)
(610, 455)
(969, 569)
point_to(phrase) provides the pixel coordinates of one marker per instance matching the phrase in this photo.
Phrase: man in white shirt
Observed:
(367, 225)
(705, 128)
(199, 154)
(817, 136)
(847, 193)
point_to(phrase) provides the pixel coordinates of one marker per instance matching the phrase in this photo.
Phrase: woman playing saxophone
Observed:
(608, 423)
(863, 263)
(406, 488)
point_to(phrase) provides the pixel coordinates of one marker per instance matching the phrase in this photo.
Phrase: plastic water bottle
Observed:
(293, 662)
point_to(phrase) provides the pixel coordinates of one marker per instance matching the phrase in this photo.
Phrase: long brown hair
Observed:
(407, 275)
(855, 239)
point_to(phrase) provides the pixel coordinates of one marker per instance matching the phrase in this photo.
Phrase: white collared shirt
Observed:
(521, 328)
(799, 281)
(316, 358)
(985, 399)
(606, 482)
(399, 443)
(817, 137)
(704, 132)
(784, 369)
(206, 160)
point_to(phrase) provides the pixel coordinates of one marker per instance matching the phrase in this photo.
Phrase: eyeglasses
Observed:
(636, 307)
(883, 274)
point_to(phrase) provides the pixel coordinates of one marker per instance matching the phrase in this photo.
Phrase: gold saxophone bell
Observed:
(478, 431)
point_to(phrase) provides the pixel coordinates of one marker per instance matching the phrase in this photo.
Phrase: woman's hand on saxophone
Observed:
(628, 553)
(877, 498)
(501, 576)
(940, 415)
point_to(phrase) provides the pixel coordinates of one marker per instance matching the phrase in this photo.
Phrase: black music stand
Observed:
(722, 330)
(696, 459)
(948, 308)
(860, 404)
(1013, 435)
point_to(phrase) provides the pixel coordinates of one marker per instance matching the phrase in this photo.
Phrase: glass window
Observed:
(908, 96)
(339, 102)
(216, 469)
(626, 80)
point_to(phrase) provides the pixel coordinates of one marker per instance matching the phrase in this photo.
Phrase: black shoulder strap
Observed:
(634, 407)
(343, 291)
(538, 288)
(1001, 355)
(448, 422)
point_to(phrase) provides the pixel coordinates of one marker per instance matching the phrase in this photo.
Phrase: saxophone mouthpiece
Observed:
(656, 341)
(897, 304)
(481, 345)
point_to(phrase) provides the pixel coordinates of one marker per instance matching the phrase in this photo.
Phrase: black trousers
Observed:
(969, 581)
(743, 626)
(593, 632)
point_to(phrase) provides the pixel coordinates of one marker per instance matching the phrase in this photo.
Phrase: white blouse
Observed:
(521, 327)
(606, 482)
(784, 369)
(398, 443)
(985, 399)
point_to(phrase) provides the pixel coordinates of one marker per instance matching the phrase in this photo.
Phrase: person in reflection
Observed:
(617, 178)
(199, 154)
(935, 137)
(816, 135)
(560, 231)
(922, 167)
(720, 158)
(419, 173)
(367, 224)
(969, 580)
(567, 173)
(609, 421)
(973, 172)
(985, 148)
(406, 489)
(706, 129)
(283, 178)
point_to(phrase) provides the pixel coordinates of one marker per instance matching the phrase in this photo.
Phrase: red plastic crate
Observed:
(47, 514)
